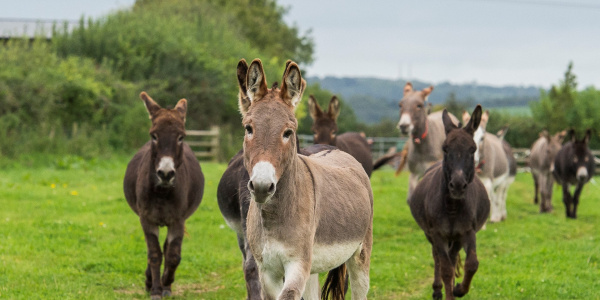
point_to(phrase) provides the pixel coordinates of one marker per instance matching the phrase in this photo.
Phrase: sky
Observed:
(495, 42)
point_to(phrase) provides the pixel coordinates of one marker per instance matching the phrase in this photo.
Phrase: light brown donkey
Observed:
(308, 214)
(426, 132)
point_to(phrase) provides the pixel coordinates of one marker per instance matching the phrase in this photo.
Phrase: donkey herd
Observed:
(298, 212)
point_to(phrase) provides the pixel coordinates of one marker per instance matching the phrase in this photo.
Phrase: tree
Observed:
(555, 106)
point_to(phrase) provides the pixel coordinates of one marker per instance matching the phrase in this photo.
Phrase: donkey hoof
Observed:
(458, 291)
(166, 293)
(437, 295)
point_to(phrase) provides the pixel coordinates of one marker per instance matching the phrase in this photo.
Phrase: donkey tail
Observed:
(459, 266)
(403, 158)
(384, 160)
(335, 284)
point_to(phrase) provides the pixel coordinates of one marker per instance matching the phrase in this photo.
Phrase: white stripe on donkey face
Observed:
(478, 139)
(406, 120)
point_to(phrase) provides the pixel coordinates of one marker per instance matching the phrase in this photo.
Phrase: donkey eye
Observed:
(154, 137)
(248, 130)
(180, 138)
(445, 149)
(287, 134)
(419, 106)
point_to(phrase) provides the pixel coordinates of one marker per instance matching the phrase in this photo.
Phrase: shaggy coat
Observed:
(451, 204)
(426, 133)
(575, 165)
(308, 214)
(541, 162)
(164, 185)
(325, 132)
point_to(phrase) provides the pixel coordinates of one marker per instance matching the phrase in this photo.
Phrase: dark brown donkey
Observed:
(325, 129)
(574, 164)
(307, 214)
(451, 204)
(164, 185)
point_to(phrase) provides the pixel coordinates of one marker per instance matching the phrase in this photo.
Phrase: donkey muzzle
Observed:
(582, 174)
(457, 187)
(165, 172)
(262, 183)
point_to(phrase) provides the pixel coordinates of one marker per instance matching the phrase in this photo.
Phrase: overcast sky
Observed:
(498, 42)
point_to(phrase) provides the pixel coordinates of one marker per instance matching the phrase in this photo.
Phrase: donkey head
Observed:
(270, 123)
(167, 132)
(479, 135)
(413, 109)
(459, 149)
(324, 126)
(581, 158)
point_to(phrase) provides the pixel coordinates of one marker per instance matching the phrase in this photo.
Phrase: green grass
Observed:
(66, 232)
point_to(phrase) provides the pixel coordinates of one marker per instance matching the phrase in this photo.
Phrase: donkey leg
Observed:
(413, 180)
(471, 264)
(297, 274)
(536, 190)
(358, 271)
(271, 284)
(576, 195)
(154, 259)
(567, 199)
(546, 190)
(251, 275)
(437, 276)
(311, 291)
(172, 255)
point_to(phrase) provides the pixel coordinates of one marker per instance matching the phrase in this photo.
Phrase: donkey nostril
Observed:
(171, 174)
(160, 174)
(250, 185)
(271, 188)
(451, 185)
(464, 186)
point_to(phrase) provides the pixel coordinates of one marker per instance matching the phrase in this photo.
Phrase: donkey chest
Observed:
(160, 211)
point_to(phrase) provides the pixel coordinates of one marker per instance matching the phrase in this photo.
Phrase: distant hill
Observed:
(374, 99)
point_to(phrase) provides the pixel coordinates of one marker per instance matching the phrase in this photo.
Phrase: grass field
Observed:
(68, 233)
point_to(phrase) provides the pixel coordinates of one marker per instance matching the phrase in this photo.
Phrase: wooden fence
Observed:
(204, 143)
(379, 145)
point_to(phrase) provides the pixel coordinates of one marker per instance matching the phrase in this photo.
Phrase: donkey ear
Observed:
(545, 134)
(256, 81)
(181, 108)
(561, 136)
(448, 124)
(293, 85)
(314, 108)
(334, 108)
(588, 135)
(242, 74)
(572, 135)
(465, 116)
(475, 120)
(151, 106)
(427, 91)
(408, 88)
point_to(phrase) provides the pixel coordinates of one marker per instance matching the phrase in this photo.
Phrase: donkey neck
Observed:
(421, 132)
(286, 204)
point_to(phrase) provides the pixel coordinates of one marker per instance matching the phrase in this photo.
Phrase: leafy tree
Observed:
(554, 111)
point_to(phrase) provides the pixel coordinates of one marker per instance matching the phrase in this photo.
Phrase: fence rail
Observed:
(204, 143)
(379, 145)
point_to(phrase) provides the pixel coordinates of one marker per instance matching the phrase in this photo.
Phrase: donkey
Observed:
(426, 131)
(325, 129)
(164, 185)
(233, 198)
(493, 166)
(574, 164)
(307, 214)
(541, 162)
(451, 204)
